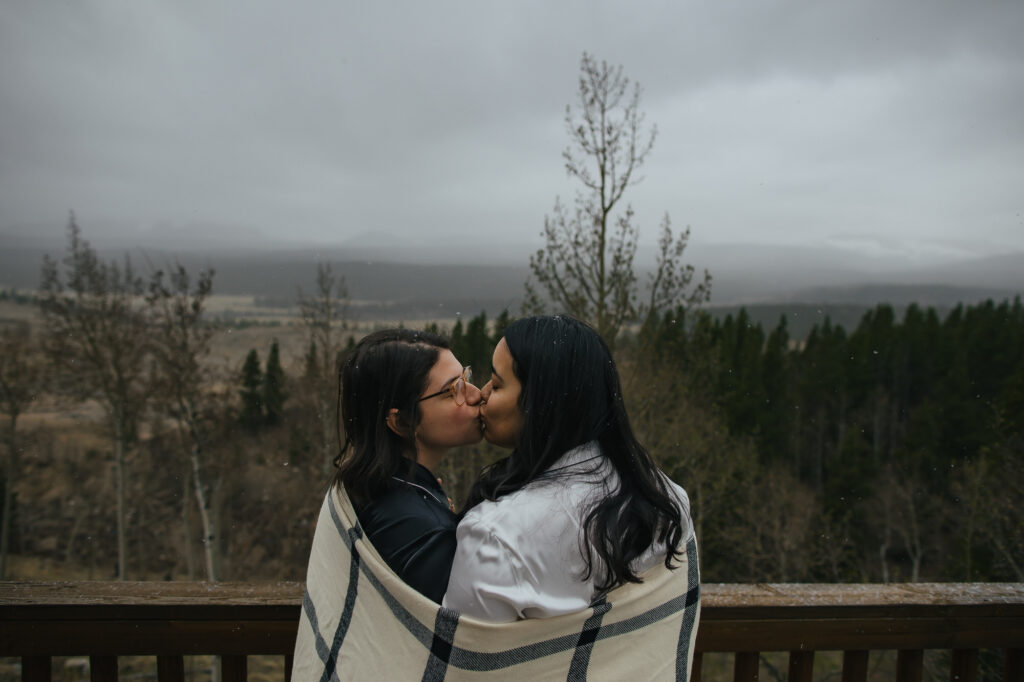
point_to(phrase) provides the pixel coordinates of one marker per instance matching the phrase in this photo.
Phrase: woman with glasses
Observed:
(579, 507)
(405, 401)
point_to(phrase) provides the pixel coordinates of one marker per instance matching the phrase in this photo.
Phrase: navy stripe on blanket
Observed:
(441, 648)
(321, 646)
(331, 664)
(685, 631)
(585, 644)
(440, 640)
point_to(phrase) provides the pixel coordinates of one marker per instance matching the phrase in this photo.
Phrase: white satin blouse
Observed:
(520, 556)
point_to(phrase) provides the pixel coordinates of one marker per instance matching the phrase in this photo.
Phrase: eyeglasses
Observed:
(456, 389)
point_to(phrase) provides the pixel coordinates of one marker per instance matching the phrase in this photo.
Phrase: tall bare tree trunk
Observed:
(186, 522)
(876, 432)
(883, 548)
(76, 526)
(209, 526)
(819, 460)
(327, 438)
(119, 484)
(12, 463)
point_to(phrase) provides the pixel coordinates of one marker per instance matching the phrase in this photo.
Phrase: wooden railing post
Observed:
(801, 666)
(855, 665)
(745, 668)
(170, 668)
(36, 669)
(103, 668)
(233, 668)
(909, 665)
(1013, 666)
(695, 667)
(964, 665)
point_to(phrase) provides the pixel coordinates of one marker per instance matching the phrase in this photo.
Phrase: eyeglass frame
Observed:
(466, 378)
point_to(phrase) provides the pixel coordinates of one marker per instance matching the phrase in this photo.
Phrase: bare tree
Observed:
(902, 507)
(322, 312)
(991, 488)
(776, 522)
(181, 342)
(96, 331)
(20, 376)
(586, 267)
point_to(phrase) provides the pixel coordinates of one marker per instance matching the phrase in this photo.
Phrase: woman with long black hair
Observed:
(579, 507)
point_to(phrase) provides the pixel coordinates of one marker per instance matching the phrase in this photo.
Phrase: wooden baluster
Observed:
(801, 665)
(964, 667)
(698, 660)
(35, 669)
(170, 668)
(233, 668)
(1013, 666)
(909, 665)
(855, 665)
(289, 659)
(745, 667)
(103, 668)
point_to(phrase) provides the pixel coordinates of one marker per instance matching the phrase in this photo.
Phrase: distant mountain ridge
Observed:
(742, 274)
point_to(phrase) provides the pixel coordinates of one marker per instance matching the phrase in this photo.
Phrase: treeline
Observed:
(893, 452)
(889, 452)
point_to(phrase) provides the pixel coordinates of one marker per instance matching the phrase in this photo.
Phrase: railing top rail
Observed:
(777, 595)
(714, 595)
(149, 593)
(113, 618)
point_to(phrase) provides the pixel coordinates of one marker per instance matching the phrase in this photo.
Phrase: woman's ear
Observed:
(396, 423)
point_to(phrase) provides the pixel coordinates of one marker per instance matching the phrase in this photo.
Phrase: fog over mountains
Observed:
(436, 276)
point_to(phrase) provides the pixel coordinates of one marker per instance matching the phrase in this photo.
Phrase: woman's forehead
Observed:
(501, 353)
(446, 367)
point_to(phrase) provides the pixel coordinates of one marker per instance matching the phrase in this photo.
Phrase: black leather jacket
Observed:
(413, 529)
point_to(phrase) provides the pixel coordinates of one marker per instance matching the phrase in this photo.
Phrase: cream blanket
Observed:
(360, 621)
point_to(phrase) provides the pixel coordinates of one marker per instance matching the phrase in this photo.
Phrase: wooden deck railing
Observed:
(103, 620)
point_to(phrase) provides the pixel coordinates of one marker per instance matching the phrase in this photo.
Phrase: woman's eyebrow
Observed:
(495, 373)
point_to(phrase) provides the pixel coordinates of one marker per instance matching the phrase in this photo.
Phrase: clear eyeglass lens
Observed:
(460, 386)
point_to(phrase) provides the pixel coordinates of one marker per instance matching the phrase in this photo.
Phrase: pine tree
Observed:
(251, 415)
(478, 347)
(502, 321)
(311, 365)
(273, 387)
(777, 409)
(457, 339)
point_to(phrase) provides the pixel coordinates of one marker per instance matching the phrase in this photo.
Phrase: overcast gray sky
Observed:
(888, 127)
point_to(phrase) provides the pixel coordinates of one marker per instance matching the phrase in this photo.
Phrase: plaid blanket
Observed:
(360, 621)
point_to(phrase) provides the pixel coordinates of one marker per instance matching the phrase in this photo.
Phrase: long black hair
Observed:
(386, 370)
(571, 395)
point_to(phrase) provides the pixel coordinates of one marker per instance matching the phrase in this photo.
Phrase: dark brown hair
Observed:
(386, 370)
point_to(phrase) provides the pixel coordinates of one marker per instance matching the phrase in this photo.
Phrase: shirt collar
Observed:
(420, 475)
(586, 455)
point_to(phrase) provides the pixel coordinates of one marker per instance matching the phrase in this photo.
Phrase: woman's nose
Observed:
(485, 392)
(474, 396)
